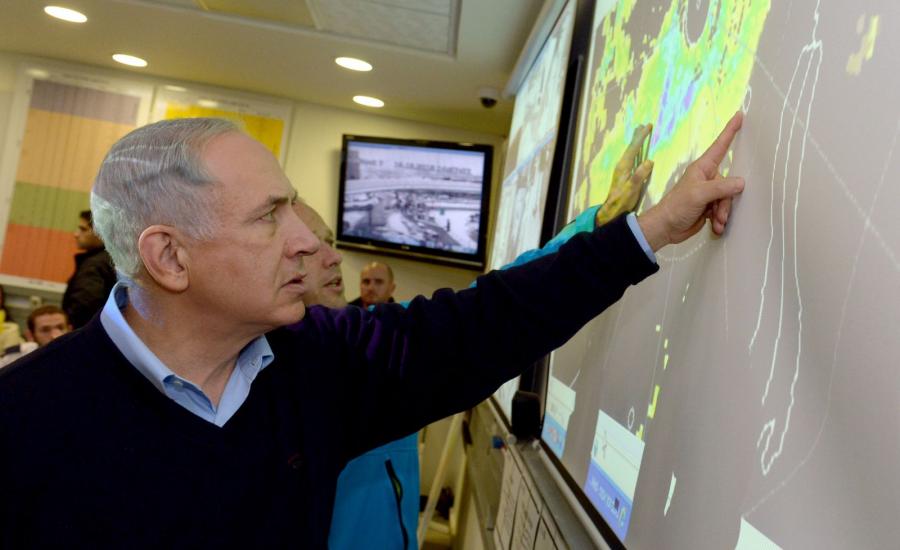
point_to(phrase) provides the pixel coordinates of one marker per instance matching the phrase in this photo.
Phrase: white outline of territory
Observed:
(864, 232)
(812, 51)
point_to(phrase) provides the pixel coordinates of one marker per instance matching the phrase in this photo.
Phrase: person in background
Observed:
(324, 279)
(205, 366)
(377, 499)
(94, 275)
(45, 324)
(376, 285)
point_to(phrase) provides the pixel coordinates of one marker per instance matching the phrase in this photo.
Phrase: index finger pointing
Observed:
(713, 156)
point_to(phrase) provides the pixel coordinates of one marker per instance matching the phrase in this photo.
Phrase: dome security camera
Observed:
(488, 97)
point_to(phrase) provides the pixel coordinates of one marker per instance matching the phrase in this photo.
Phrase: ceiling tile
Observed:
(288, 12)
(391, 22)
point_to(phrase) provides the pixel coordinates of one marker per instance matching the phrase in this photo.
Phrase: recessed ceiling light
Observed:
(208, 103)
(129, 60)
(353, 64)
(65, 14)
(172, 88)
(37, 73)
(368, 101)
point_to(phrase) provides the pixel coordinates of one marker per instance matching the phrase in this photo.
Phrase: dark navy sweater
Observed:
(92, 454)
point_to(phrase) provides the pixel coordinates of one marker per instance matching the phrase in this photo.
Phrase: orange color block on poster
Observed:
(38, 253)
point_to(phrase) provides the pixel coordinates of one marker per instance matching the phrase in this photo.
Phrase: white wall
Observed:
(313, 164)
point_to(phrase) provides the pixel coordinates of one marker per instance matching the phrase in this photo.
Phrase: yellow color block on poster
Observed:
(267, 131)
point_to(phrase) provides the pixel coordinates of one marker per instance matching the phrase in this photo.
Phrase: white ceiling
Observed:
(430, 56)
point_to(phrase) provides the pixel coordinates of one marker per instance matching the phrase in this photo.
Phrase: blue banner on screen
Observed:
(610, 501)
(554, 435)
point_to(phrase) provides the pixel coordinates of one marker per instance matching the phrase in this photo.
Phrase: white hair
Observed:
(154, 175)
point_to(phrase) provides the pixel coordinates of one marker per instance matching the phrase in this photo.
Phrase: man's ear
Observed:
(29, 337)
(165, 257)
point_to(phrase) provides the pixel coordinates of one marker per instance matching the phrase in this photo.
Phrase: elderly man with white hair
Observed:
(185, 416)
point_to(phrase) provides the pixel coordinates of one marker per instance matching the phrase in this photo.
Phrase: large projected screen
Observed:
(746, 396)
(529, 156)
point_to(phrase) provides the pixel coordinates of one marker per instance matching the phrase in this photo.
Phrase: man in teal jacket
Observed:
(377, 500)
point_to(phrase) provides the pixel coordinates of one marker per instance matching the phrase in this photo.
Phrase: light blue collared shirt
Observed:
(639, 235)
(256, 356)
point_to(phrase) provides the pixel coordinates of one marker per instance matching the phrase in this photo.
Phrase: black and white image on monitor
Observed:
(414, 195)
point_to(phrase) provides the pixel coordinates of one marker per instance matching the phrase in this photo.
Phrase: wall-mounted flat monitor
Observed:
(421, 199)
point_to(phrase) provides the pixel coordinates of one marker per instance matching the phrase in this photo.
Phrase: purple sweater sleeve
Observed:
(402, 368)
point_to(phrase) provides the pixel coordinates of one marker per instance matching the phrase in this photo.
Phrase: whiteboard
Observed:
(746, 396)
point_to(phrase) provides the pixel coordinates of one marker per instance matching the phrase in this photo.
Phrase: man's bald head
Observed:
(376, 283)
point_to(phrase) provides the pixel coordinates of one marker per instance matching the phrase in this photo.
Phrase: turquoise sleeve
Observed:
(584, 222)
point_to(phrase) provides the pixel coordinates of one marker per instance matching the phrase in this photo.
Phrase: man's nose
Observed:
(302, 241)
(333, 257)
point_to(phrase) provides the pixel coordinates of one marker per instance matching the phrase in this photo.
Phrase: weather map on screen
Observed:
(746, 395)
(529, 156)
